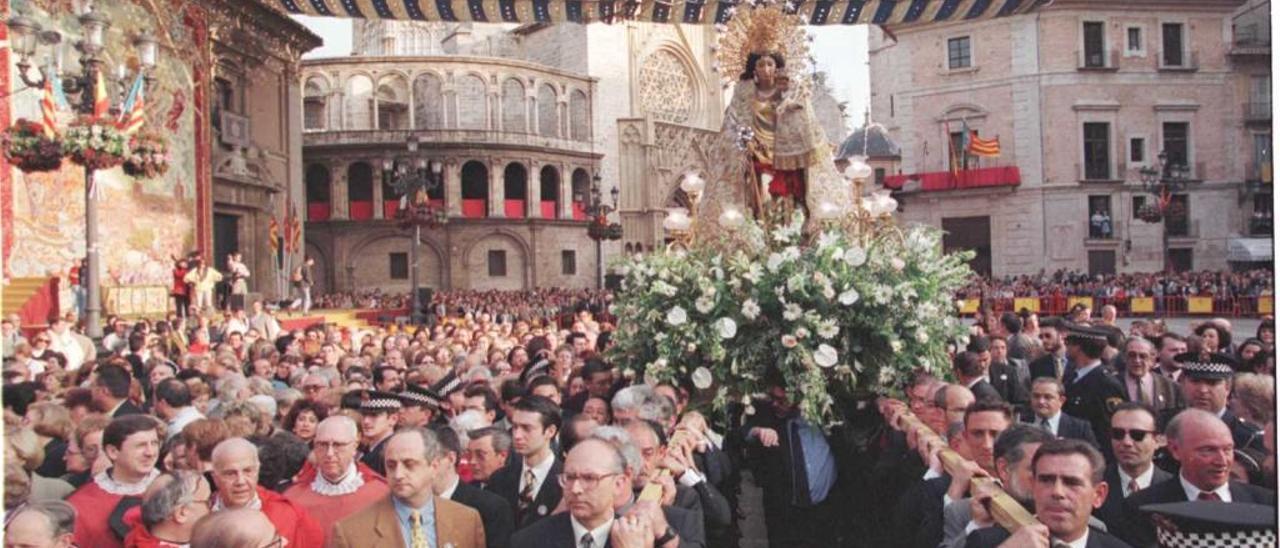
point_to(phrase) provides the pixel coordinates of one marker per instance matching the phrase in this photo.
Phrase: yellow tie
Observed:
(419, 536)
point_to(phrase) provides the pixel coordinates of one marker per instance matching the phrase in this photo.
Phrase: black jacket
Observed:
(506, 484)
(1009, 384)
(982, 390)
(127, 408)
(1092, 398)
(498, 519)
(1112, 510)
(1044, 367)
(553, 532)
(1141, 532)
(989, 537)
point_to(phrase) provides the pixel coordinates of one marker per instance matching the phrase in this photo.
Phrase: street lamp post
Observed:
(28, 37)
(413, 179)
(600, 229)
(1163, 180)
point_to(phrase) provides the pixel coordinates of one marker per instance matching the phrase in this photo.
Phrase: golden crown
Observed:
(760, 28)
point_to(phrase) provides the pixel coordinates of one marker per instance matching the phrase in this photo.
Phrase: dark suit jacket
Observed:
(918, 516)
(1009, 384)
(1092, 398)
(1072, 428)
(687, 524)
(1167, 393)
(705, 499)
(1112, 510)
(127, 408)
(982, 390)
(990, 537)
(1138, 529)
(553, 532)
(506, 484)
(1044, 367)
(499, 522)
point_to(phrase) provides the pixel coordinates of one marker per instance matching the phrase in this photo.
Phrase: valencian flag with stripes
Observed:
(295, 230)
(49, 109)
(132, 115)
(983, 147)
(273, 235)
(101, 101)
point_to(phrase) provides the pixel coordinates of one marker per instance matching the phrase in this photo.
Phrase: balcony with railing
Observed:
(439, 137)
(1098, 60)
(1251, 40)
(966, 179)
(1187, 61)
(1182, 228)
(1257, 112)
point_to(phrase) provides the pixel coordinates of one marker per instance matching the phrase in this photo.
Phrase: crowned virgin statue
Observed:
(772, 151)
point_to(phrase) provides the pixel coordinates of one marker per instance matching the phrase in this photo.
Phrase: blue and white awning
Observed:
(817, 12)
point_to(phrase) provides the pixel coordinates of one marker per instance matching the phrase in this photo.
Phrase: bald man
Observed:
(332, 485)
(235, 472)
(1203, 446)
(239, 528)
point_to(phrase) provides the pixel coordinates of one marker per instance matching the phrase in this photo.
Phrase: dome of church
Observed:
(870, 140)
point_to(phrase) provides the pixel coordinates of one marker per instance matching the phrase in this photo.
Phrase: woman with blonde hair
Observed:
(1253, 398)
(51, 422)
(23, 446)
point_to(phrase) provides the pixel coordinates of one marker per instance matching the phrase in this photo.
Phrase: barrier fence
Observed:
(1057, 305)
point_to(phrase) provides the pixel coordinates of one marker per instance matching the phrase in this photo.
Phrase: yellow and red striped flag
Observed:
(133, 115)
(101, 101)
(295, 230)
(49, 110)
(983, 147)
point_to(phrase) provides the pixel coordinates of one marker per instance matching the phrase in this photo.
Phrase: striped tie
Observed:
(526, 494)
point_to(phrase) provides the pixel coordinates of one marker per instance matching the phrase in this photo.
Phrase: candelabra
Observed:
(600, 229)
(1164, 180)
(413, 180)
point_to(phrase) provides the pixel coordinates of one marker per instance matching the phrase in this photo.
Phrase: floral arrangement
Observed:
(95, 144)
(1150, 213)
(28, 148)
(840, 313)
(148, 155)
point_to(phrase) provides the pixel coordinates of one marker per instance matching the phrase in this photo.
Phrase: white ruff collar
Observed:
(255, 504)
(106, 483)
(349, 484)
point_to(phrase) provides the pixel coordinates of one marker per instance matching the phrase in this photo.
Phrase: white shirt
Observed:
(185, 416)
(1193, 492)
(1144, 480)
(1053, 422)
(539, 475)
(1078, 543)
(448, 493)
(67, 345)
(599, 535)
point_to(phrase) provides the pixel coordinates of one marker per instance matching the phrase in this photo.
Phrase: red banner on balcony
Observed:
(474, 209)
(318, 211)
(514, 209)
(389, 208)
(549, 209)
(967, 179)
(361, 211)
(579, 211)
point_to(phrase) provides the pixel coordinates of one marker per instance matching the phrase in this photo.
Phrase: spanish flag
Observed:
(132, 115)
(983, 147)
(101, 100)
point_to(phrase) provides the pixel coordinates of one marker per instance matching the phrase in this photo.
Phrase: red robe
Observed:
(93, 516)
(291, 520)
(330, 509)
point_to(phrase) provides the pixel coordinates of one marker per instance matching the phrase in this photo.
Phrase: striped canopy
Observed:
(816, 12)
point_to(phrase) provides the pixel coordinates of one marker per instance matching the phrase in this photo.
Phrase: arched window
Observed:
(472, 99)
(475, 189)
(359, 102)
(513, 107)
(393, 103)
(549, 183)
(548, 122)
(390, 199)
(428, 102)
(314, 98)
(581, 191)
(515, 190)
(579, 116)
(360, 191)
(317, 181)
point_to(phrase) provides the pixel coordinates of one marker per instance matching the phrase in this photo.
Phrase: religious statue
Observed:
(772, 150)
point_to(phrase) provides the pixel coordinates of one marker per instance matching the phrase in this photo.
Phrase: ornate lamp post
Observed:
(412, 180)
(27, 39)
(1163, 181)
(600, 229)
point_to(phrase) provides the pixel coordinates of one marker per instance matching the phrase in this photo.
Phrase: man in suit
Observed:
(529, 484)
(379, 416)
(1140, 383)
(594, 477)
(971, 370)
(984, 421)
(1068, 487)
(413, 516)
(1012, 451)
(1047, 398)
(1170, 345)
(1020, 346)
(1133, 442)
(693, 492)
(1054, 361)
(1091, 392)
(796, 470)
(1006, 375)
(1205, 383)
(683, 522)
(496, 514)
(488, 449)
(1203, 447)
(110, 392)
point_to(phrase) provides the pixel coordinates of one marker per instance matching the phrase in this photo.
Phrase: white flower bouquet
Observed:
(840, 315)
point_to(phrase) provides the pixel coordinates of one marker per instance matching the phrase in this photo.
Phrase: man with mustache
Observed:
(1067, 487)
(1202, 445)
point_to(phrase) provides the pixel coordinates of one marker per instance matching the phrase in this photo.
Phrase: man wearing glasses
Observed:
(1140, 383)
(594, 477)
(170, 509)
(1133, 442)
(334, 486)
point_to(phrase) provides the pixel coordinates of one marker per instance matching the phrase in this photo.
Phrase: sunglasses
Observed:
(1118, 434)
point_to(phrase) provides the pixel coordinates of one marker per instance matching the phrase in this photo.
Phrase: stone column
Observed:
(566, 191)
(377, 189)
(338, 202)
(533, 191)
(497, 194)
(452, 187)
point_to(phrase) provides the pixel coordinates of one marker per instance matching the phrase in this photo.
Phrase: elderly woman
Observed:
(23, 446)
(51, 423)
(1253, 398)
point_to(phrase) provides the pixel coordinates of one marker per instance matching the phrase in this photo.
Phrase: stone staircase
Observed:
(19, 293)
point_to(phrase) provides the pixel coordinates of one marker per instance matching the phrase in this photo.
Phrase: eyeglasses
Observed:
(326, 446)
(313, 388)
(588, 481)
(277, 542)
(1118, 434)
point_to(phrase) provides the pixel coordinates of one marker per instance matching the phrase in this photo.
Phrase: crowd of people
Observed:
(502, 423)
(1218, 284)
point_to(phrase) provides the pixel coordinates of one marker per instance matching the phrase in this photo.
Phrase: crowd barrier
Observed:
(1058, 305)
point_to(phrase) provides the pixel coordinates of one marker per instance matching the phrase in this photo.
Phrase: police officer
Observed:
(1092, 393)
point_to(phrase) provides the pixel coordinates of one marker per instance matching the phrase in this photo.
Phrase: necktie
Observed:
(1133, 486)
(1044, 423)
(526, 494)
(415, 530)
(1209, 495)
(587, 541)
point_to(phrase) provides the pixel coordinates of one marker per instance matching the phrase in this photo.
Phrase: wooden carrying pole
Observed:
(1004, 510)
